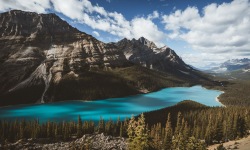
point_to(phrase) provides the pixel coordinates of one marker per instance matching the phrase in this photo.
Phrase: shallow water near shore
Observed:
(112, 107)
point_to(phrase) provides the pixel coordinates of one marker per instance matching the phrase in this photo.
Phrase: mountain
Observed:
(233, 69)
(236, 64)
(44, 59)
(232, 65)
(146, 53)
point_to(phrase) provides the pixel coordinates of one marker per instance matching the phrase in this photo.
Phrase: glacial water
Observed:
(110, 108)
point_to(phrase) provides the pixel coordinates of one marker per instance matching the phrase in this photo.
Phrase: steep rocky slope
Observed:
(232, 65)
(232, 69)
(44, 59)
(146, 53)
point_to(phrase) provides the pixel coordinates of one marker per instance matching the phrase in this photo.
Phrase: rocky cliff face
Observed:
(44, 59)
(37, 50)
(147, 54)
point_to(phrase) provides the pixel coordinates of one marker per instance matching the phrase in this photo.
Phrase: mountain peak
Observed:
(41, 53)
(143, 40)
(22, 24)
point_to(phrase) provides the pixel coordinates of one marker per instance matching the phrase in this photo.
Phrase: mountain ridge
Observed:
(44, 59)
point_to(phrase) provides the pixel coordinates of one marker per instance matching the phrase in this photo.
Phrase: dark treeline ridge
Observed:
(190, 120)
(236, 93)
(187, 125)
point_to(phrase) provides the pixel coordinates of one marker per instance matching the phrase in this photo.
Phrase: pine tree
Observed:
(79, 127)
(141, 133)
(131, 132)
(209, 132)
(56, 131)
(49, 129)
(218, 130)
(101, 126)
(121, 130)
(178, 124)
(168, 133)
(194, 144)
(138, 134)
(22, 130)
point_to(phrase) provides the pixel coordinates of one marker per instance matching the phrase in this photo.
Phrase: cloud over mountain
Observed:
(220, 29)
(207, 30)
(94, 16)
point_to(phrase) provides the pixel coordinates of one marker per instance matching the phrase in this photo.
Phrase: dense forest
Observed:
(236, 93)
(185, 126)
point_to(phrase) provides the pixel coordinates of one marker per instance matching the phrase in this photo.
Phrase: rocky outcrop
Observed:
(93, 142)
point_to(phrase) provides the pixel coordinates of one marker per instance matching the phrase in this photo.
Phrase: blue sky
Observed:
(201, 32)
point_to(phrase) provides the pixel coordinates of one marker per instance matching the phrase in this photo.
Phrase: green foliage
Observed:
(138, 136)
(79, 127)
(101, 126)
(236, 93)
(168, 133)
(189, 119)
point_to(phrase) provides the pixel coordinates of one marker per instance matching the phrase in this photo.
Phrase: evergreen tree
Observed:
(168, 133)
(194, 144)
(209, 131)
(49, 129)
(101, 126)
(79, 127)
(178, 124)
(131, 132)
(121, 130)
(22, 130)
(138, 134)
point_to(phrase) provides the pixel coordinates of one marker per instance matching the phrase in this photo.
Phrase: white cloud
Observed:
(200, 60)
(96, 33)
(218, 29)
(94, 16)
(70, 8)
(146, 28)
(154, 15)
(112, 22)
(38, 6)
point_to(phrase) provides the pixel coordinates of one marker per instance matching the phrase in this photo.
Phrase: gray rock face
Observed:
(44, 59)
(37, 50)
(93, 142)
(146, 53)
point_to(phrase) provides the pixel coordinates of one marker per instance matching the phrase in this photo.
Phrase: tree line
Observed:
(190, 129)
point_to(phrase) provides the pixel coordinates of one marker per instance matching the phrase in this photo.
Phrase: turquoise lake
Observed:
(110, 108)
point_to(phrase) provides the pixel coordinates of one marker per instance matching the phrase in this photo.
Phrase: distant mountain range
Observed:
(232, 65)
(233, 69)
(44, 59)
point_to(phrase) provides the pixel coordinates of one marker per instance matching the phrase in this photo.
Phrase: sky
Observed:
(202, 32)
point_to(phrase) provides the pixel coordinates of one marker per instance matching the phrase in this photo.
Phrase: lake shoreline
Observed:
(218, 100)
(113, 107)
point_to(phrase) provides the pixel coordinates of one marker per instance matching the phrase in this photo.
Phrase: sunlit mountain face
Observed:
(201, 33)
(43, 55)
